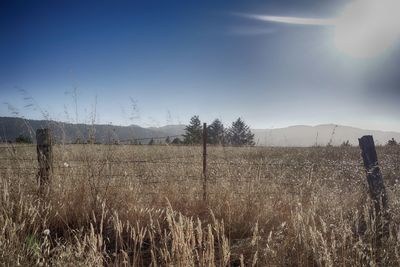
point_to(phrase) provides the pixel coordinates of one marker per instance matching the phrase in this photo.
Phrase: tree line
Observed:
(238, 133)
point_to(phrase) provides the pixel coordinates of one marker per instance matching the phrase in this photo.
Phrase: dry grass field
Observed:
(126, 205)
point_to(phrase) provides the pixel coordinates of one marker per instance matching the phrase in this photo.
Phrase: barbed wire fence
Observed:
(204, 168)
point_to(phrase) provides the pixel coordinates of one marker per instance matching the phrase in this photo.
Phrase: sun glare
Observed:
(367, 28)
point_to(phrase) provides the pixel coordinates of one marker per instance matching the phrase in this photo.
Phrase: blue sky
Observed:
(160, 62)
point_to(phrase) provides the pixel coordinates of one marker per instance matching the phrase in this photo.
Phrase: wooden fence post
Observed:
(45, 157)
(205, 161)
(377, 189)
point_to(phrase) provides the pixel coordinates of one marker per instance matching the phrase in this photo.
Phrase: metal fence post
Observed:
(205, 161)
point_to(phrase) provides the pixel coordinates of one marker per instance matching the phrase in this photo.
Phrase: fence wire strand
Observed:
(238, 174)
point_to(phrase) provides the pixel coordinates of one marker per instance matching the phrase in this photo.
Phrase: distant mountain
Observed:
(10, 128)
(300, 135)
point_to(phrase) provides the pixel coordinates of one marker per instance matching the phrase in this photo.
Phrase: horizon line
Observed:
(147, 127)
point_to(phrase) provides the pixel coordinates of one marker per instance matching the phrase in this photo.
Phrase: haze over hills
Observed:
(10, 128)
(299, 135)
(302, 135)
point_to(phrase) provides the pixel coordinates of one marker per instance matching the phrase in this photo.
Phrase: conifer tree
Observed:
(216, 133)
(392, 142)
(240, 134)
(176, 141)
(167, 140)
(22, 139)
(193, 131)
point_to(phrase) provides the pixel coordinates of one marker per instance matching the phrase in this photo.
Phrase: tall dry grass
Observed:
(142, 206)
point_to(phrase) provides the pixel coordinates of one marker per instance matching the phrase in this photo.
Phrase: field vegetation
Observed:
(132, 205)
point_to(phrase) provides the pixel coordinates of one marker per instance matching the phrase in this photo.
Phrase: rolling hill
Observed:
(300, 135)
(10, 128)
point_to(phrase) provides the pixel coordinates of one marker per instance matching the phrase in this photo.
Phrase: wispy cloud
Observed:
(243, 30)
(290, 20)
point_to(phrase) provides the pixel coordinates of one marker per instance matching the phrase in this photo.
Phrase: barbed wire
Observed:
(66, 166)
(167, 160)
(111, 142)
(199, 178)
(110, 160)
(149, 138)
(67, 163)
(13, 146)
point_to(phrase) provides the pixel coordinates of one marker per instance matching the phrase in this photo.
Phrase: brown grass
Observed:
(267, 207)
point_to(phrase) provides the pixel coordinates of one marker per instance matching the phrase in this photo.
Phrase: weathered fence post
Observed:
(45, 157)
(377, 189)
(205, 161)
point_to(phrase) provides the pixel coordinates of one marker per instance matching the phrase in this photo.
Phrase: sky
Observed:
(152, 63)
